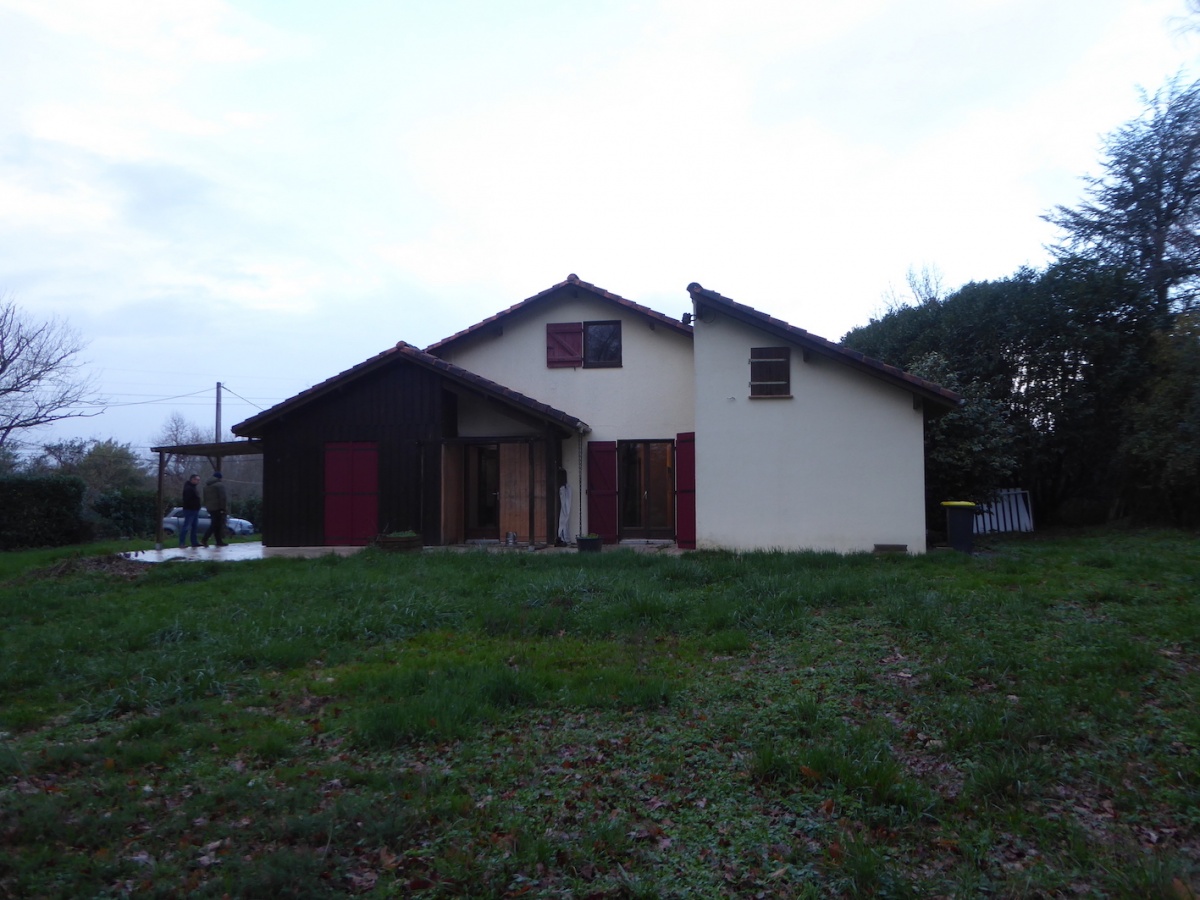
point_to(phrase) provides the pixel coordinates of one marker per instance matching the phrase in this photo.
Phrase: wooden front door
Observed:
(646, 472)
(351, 493)
(482, 492)
(685, 490)
(602, 489)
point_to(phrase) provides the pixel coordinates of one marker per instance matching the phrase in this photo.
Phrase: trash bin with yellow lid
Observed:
(960, 524)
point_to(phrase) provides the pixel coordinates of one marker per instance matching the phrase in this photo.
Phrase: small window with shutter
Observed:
(592, 345)
(770, 372)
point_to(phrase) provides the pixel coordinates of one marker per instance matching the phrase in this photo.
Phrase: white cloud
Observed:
(354, 177)
(172, 34)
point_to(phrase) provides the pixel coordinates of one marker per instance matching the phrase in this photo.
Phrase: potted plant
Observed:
(588, 543)
(399, 541)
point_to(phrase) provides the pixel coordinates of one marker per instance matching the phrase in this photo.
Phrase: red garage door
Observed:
(351, 492)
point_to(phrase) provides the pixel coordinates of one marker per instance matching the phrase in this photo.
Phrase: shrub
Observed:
(128, 512)
(40, 511)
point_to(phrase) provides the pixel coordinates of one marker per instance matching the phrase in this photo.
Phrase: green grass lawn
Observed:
(1022, 723)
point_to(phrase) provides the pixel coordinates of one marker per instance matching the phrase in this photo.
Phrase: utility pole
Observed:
(217, 433)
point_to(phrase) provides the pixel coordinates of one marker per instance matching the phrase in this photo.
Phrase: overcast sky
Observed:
(266, 192)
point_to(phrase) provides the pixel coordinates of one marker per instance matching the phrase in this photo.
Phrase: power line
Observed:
(118, 404)
(239, 396)
(157, 400)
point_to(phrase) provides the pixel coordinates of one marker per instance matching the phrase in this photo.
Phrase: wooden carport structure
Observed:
(213, 452)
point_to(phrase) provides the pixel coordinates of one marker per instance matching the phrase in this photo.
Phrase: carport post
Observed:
(158, 541)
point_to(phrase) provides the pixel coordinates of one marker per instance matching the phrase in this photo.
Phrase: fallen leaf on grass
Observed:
(363, 881)
(1182, 891)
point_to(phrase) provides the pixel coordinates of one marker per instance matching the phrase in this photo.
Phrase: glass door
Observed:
(482, 492)
(646, 471)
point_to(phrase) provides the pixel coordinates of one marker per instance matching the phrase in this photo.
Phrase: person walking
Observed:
(191, 511)
(216, 498)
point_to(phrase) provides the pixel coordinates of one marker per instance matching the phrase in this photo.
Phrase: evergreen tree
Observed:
(1143, 210)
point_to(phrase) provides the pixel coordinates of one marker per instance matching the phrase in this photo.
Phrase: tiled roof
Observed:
(806, 340)
(421, 358)
(572, 281)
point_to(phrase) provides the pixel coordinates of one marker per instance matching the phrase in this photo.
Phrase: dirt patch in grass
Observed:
(116, 566)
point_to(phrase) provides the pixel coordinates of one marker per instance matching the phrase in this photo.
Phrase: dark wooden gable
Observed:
(400, 408)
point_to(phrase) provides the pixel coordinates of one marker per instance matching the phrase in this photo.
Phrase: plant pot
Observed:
(589, 544)
(405, 544)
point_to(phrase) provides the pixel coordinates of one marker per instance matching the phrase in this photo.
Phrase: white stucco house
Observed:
(725, 428)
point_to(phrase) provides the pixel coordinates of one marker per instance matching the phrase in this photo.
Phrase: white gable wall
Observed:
(651, 396)
(839, 466)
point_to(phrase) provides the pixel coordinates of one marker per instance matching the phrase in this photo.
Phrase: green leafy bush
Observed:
(128, 512)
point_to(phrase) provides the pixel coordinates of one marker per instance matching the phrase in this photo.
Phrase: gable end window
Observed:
(770, 372)
(601, 345)
(592, 345)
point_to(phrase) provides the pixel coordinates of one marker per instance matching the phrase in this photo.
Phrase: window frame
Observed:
(589, 360)
(570, 345)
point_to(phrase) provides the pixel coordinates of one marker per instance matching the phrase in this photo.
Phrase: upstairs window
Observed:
(601, 344)
(770, 372)
(587, 344)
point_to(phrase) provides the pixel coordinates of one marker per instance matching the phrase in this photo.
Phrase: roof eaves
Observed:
(572, 280)
(854, 358)
(427, 360)
(515, 398)
(310, 394)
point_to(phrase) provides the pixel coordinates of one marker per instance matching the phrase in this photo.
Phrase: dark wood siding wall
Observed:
(400, 407)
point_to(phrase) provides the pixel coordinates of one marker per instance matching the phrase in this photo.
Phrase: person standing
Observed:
(216, 498)
(191, 511)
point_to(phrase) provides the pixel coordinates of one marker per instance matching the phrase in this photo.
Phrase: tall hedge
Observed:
(127, 513)
(40, 511)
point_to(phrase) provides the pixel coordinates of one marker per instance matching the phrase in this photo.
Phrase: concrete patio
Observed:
(240, 552)
(232, 553)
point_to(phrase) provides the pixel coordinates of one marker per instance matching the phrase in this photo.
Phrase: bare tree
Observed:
(41, 375)
(178, 431)
(1190, 21)
(242, 474)
(925, 285)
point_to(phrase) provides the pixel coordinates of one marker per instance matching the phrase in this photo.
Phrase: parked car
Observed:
(173, 521)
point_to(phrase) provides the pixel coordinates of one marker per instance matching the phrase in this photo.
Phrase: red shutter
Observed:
(602, 489)
(685, 490)
(564, 345)
(351, 493)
